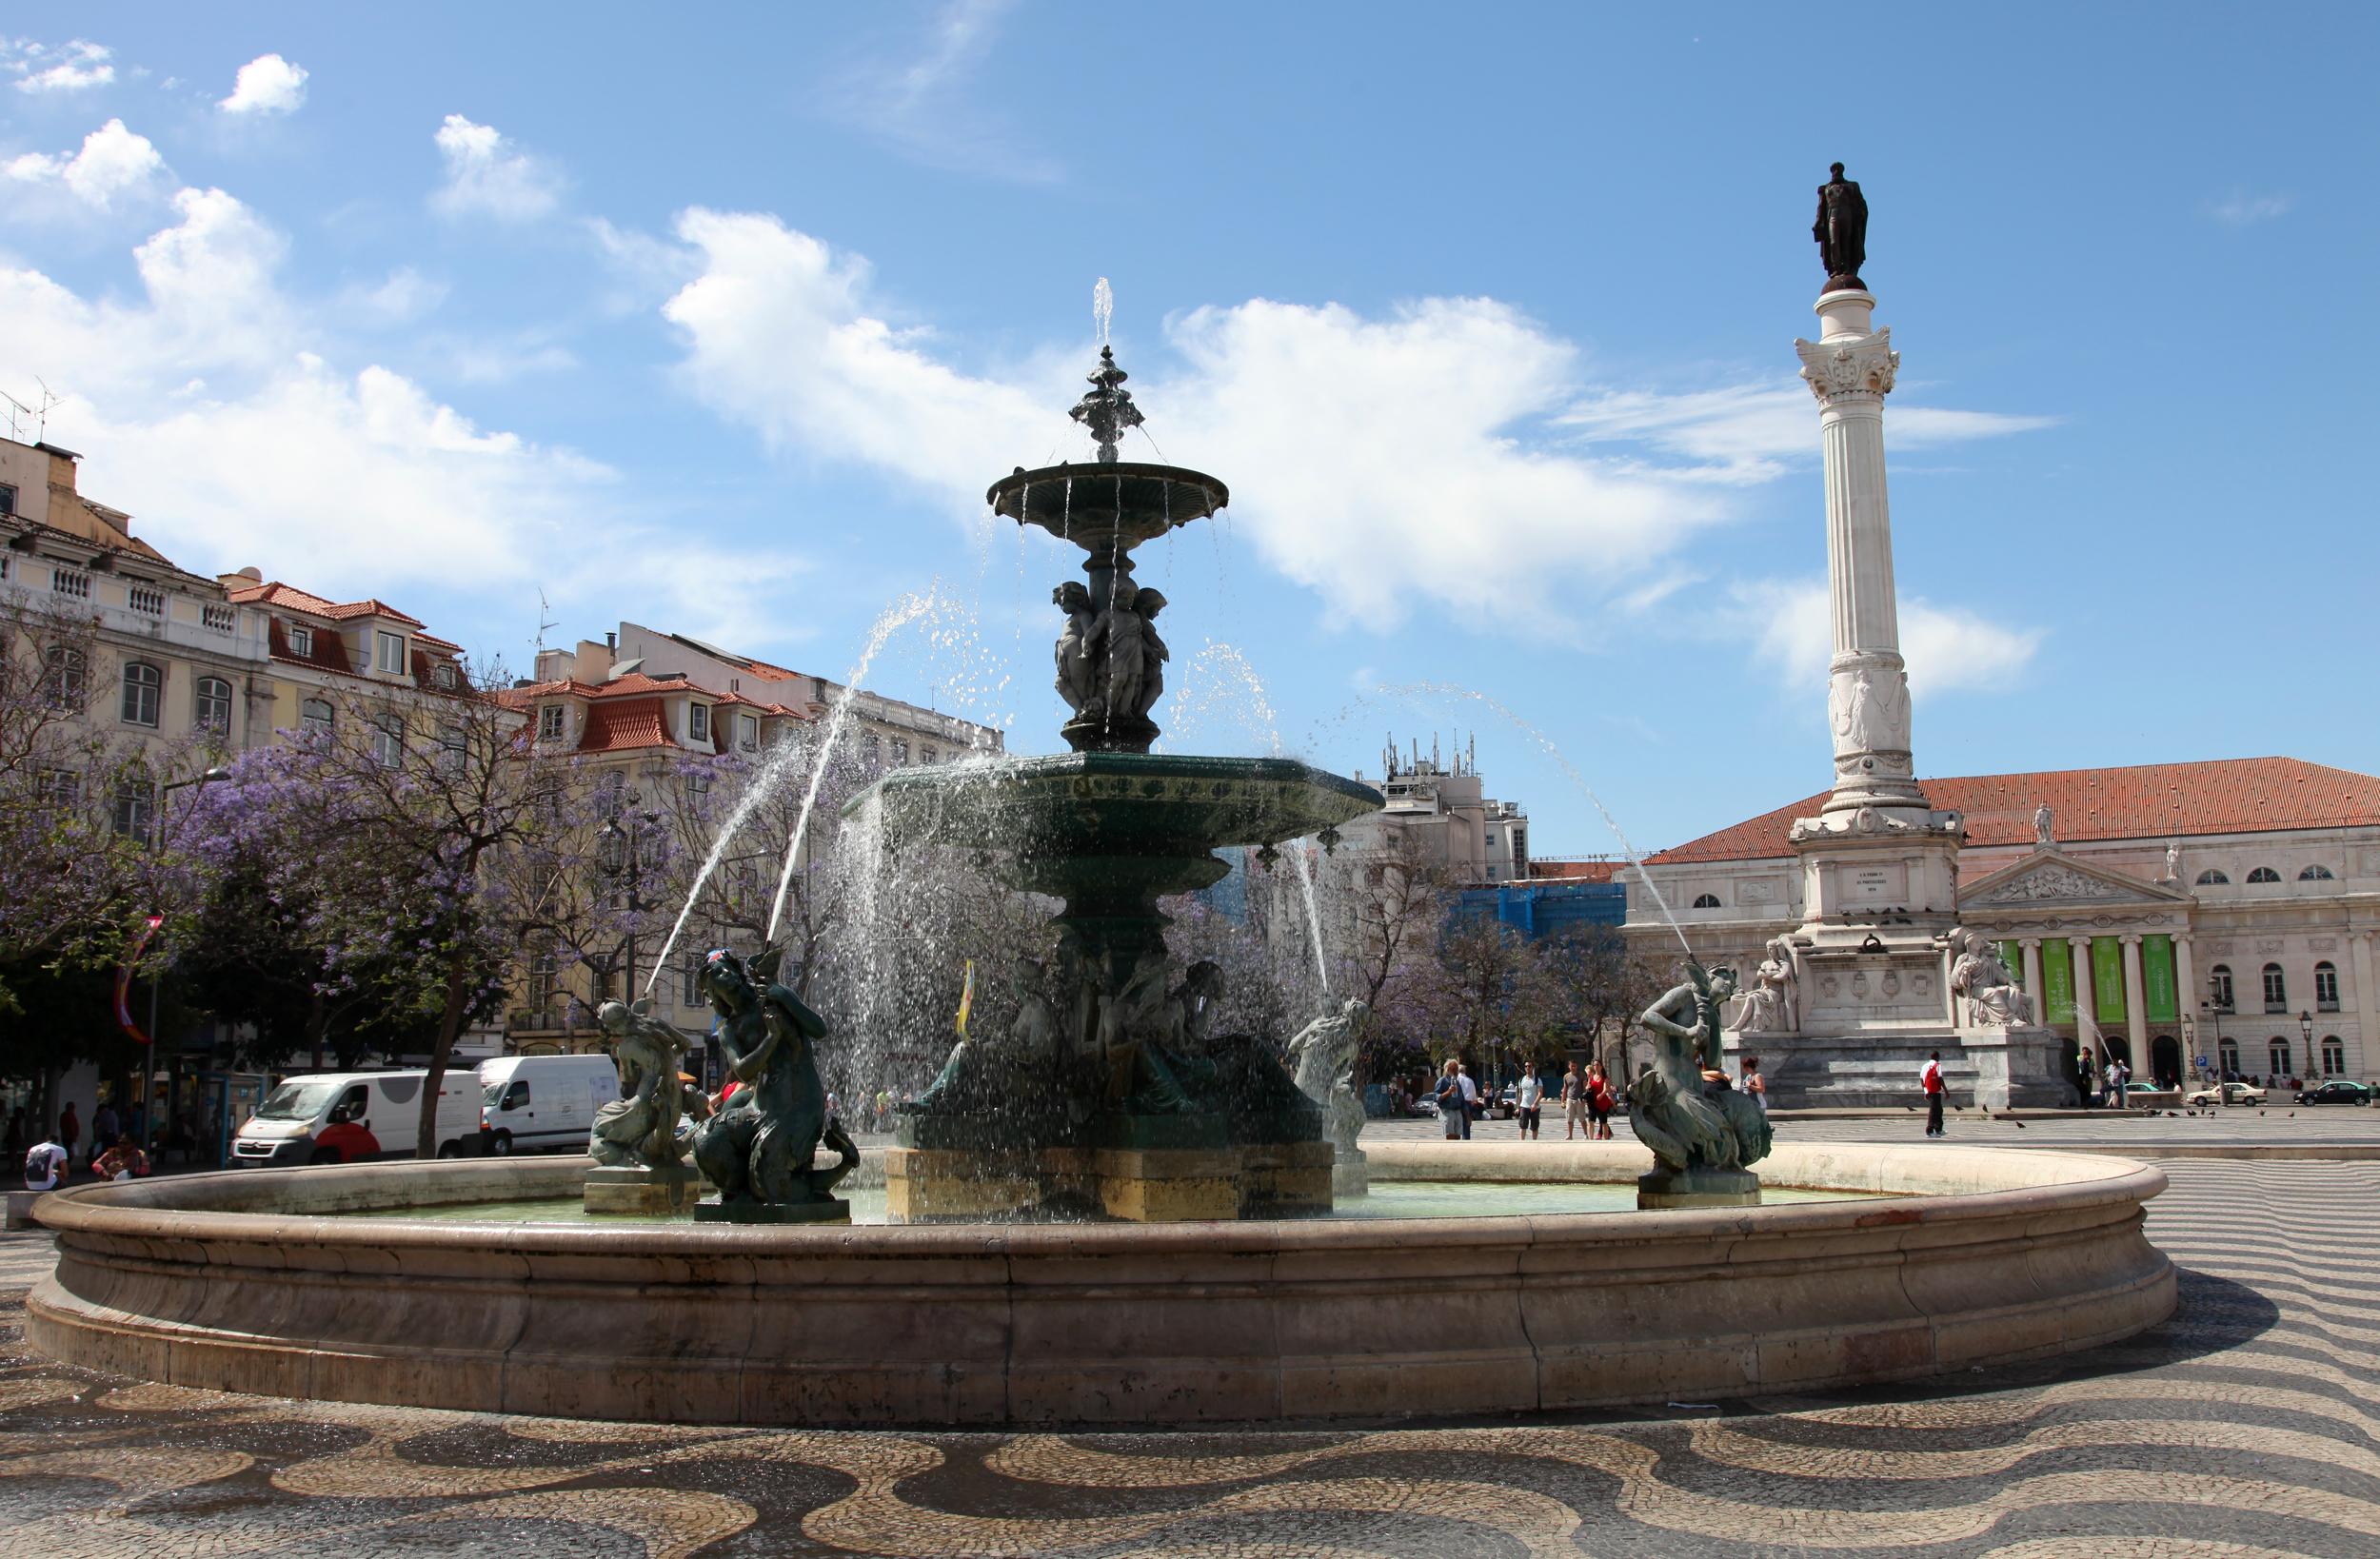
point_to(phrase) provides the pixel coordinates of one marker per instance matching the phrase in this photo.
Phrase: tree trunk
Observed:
(449, 1024)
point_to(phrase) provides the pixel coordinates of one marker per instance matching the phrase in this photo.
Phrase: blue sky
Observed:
(1486, 317)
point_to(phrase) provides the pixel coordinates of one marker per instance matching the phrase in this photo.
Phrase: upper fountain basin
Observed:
(1102, 507)
(1075, 805)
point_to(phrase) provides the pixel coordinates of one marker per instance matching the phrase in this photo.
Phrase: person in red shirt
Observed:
(1931, 1078)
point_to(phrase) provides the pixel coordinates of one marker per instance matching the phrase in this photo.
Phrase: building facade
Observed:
(1438, 817)
(2191, 918)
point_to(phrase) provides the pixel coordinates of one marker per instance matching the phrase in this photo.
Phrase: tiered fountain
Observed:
(1109, 1096)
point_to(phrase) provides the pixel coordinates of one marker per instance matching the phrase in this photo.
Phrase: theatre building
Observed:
(2161, 914)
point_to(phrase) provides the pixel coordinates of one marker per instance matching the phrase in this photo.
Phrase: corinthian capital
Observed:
(1860, 370)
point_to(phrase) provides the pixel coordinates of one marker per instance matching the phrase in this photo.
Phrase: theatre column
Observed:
(2366, 1002)
(2135, 1005)
(2032, 946)
(2086, 1003)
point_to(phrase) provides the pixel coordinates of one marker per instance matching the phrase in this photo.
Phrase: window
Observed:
(2227, 1056)
(2263, 874)
(899, 754)
(690, 982)
(697, 721)
(549, 723)
(1706, 900)
(135, 807)
(2219, 982)
(144, 685)
(748, 732)
(216, 618)
(2279, 1052)
(2327, 987)
(212, 711)
(8, 499)
(2276, 989)
(443, 676)
(388, 741)
(62, 682)
(314, 715)
(516, 1094)
(927, 755)
(871, 751)
(392, 652)
(543, 970)
(300, 641)
(146, 600)
(2333, 1056)
(67, 582)
(2315, 874)
(2212, 879)
(59, 790)
(698, 785)
(450, 746)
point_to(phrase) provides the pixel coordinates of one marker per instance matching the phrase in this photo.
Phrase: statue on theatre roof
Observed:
(2042, 830)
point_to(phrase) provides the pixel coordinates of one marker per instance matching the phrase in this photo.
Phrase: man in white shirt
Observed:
(45, 1165)
(1930, 1078)
(1470, 1097)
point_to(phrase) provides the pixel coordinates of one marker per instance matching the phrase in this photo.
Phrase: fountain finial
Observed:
(1107, 410)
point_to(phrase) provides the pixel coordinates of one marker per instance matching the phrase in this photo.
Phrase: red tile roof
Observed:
(624, 726)
(330, 652)
(291, 598)
(2148, 801)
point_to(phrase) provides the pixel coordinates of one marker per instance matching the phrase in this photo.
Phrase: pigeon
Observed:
(2020, 1125)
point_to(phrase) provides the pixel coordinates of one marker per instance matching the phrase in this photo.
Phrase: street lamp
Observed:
(156, 848)
(616, 852)
(2306, 1031)
(2190, 1048)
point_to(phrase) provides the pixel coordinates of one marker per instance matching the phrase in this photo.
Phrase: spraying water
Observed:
(1569, 770)
(764, 784)
(1102, 307)
(907, 610)
(1259, 708)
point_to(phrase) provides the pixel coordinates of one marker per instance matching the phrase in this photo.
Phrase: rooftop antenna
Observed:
(544, 620)
(18, 411)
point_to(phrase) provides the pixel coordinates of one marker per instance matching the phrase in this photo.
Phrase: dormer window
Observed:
(697, 721)
(390, 657)
(300, 641)
(549, 723)
(443, 676)
(748, 732)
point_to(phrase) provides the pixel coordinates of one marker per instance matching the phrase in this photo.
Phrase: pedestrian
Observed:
(17, 1128)
(121, 1162)
(105, 1129)
(48, 1166)
(1755, 1084)
(1599, 1102)
(1531, 1100)
(1574, 1101)
(1450, 1105)
(2122, 1072)
(1931, 1079)
(70, 1128)
(1470, 1096)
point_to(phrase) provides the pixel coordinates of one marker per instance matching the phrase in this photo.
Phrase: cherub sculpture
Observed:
(1077, 665)
(641, 1126)
(1135, 656)
(761, 1145)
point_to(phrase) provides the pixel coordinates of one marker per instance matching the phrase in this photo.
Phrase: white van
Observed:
(349, 1118)
(543, 1103)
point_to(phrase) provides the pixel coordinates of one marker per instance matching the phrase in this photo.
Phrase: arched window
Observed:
(61, 674)
(2326, 986)
(2315, 873)
(314, 715)
(211, 709)
(2227, 1056)
(1706, 900)
(2219, 986)
(2279, 1051)
(144, 685)
(2333, 1056)
(2212, 879)
(2276, 989)
(2263, 874)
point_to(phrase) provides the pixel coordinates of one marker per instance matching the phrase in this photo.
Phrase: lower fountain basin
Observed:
(245, 1282)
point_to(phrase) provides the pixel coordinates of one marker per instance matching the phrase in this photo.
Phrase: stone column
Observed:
(2366, 1003)
(1850, 369)
(2086, 1003)
(2032, 947)
(2135, 1005)
(2198, 1037)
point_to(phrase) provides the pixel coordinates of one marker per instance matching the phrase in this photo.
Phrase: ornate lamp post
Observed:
(2306, 1031)
(619, 852)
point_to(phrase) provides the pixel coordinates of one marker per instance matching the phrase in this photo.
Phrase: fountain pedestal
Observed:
(831, 1209)
(1666, 1188)
(641, 1191)
(1133, 1184)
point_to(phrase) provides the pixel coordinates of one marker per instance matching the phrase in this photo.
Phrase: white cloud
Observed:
(1753, 432)
(266, 84)
(924, 104)
(2241, 209)
(62, 68)
(1948, 648)
(488, 174)
(404, 296)
(114, 162)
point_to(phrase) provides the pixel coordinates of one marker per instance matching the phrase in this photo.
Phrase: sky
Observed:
(532, 319)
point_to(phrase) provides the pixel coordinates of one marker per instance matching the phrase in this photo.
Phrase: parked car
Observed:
(348, 1117)
(2339, 1091)
(1507, 1104)
(543, 1103)
(2230, 1093)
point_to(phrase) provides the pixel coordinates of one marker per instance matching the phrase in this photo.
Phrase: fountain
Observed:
(1120, 1102)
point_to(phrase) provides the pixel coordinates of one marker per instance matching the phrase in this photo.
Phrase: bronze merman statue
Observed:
(760, 1148)
(1842, 232)
(1682, 1106)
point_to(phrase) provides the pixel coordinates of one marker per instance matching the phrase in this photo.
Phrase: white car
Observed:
(2230, 1093)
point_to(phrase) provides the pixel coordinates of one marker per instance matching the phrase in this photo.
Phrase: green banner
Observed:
(2012, 955)
(2057, 981)
(2157, 976)
(2106, 980)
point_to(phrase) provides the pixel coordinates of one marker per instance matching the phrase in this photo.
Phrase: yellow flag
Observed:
(966, 999)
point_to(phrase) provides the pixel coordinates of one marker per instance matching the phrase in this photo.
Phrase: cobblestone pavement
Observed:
(2241, 1429)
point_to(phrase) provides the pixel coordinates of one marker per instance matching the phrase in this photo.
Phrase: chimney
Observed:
(612, 641)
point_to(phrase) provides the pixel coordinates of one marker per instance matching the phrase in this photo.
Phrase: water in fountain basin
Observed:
(907, 610)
